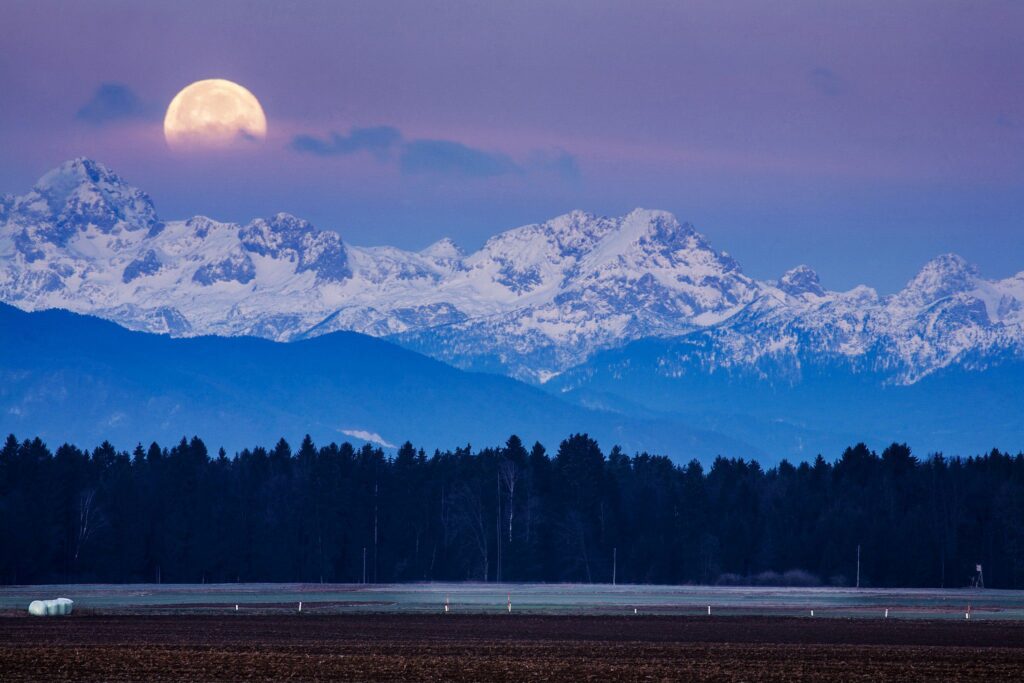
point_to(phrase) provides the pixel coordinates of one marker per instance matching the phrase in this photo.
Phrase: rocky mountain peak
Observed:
(648, 226)
(80, 194)
(571, 221)
(801, 280)
(572, 231)
(941, 277)
(288, 237)
(76, 172)
(656, 218)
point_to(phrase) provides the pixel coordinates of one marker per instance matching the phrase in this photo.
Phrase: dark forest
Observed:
(342, 514)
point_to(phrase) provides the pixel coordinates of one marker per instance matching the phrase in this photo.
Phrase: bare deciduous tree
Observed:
(468, 510)
(87, 520)
(509, 472)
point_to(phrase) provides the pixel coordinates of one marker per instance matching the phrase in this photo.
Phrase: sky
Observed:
(860, 138)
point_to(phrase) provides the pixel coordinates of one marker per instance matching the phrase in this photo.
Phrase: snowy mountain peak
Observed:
(655, 245)
(284, 236)
(801, 280)
(656, 217)
(286, 223)
(86, 189)
(941, 277)
(647, 226)
(79, 197)
(443, 249)
(568, 222)
(76, 172)
(571, 232)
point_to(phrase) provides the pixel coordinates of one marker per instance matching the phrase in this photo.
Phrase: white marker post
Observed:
(886, 612)
(236, 607)
(709, 610)
(634, 610)
(812, 613)
(300, 605)
(510, 603)
(446, 603)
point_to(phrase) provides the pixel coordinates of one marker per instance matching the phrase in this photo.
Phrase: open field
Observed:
(476, 647)
(556, 599)
(554, 633)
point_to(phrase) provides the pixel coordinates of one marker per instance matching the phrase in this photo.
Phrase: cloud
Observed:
(433, 157)
(378, 140)
(825, 81)
(365, 435)
(446, 157)
(114, 102)
(559, 162)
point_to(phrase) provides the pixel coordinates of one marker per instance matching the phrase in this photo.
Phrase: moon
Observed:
(214, 113)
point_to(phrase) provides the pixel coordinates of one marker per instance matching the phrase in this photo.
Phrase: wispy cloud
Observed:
(364, 435)
(378, 140)
(825, 81)
(433, 157)
(114, 102)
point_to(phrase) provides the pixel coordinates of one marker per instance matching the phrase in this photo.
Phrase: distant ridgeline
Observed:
(338, 514)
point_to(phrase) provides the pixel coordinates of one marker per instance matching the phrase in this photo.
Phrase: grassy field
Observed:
(556, 599)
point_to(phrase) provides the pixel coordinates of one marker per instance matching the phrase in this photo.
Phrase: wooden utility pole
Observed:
(615, 562)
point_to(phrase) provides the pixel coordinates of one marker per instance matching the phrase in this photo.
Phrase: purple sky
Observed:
(860, 138)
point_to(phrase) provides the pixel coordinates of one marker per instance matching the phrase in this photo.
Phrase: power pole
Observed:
(364, 564)
(858, 565)
(615, 562)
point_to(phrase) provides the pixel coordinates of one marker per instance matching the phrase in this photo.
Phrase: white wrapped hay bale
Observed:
(50, 608)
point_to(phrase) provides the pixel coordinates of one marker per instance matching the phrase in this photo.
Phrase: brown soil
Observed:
(507, 647)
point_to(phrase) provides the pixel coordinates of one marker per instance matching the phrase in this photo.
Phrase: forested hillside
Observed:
(183, 514)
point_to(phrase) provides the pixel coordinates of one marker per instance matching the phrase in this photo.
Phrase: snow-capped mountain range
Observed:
(532, 302)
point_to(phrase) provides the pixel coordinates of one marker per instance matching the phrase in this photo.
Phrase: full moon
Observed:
(214, 113)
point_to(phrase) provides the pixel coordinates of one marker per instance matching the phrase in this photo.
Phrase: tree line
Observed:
(338, 513)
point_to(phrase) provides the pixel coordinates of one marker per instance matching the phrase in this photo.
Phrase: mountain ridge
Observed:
(532, 303)
(72, 377)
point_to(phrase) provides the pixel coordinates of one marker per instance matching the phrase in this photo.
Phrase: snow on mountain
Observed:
(945, 315)
(532, 302)
(942, 277)
(801, 281)
(444, 250)
(579, 283)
